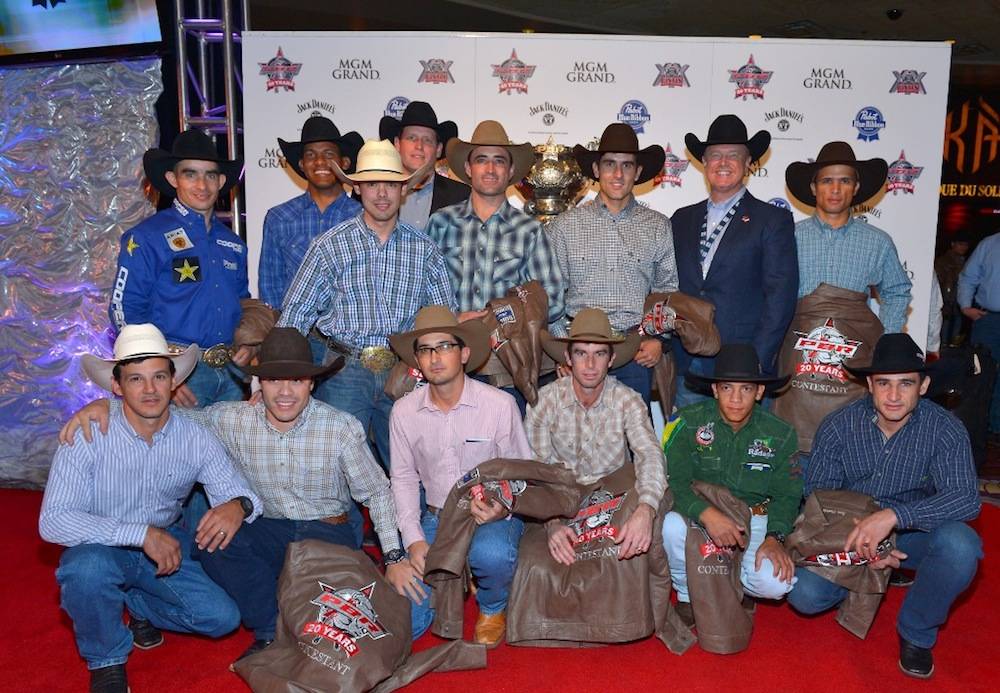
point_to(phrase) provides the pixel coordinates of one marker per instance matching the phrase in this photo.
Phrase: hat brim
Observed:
(293, 370)
(758, 144)
(472, 332)
(703, 383)
(871, 174)
(624, 349)
(101, 371)
(389, 128)
(651, 160)
(865, 371)
(409, 179)
(349, 144)
(522, 155)
(156, 163)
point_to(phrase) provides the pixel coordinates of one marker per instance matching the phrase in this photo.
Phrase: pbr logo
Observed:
(634, 114)
(346, 615)
(280, 72)
(673, 167)
(902, 174)
(671, 75)
(705, 435)
(824, 350)
(504, 490)
(396, 106)
(750, 80)
(908, 82)
(593, 521)
(436, 71)
(868, 121)
(513, 74)
(780, 203)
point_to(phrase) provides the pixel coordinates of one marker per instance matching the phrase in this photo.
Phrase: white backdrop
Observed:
(886, 99)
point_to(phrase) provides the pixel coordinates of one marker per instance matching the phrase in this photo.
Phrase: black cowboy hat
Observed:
(736, 363)
(895, 352)
(871, 173)
(417, 113)
(321, 129)
(729, 129)
(286, 355)
(190, 144)
(621, 138)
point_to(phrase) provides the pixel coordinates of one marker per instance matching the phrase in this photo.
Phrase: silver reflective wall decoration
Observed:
(71, 144)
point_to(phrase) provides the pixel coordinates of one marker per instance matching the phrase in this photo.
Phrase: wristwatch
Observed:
(780, 536)
(246, 504)
(394, 556)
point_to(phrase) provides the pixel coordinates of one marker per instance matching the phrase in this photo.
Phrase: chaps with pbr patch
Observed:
(515, 323)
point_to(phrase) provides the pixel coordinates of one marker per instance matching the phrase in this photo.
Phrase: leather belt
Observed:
(335, 519)
(377, 359)
(760, 508)
(217, 356)
(436, 512)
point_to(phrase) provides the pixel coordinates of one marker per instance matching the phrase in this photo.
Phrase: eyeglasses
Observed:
(442, 348)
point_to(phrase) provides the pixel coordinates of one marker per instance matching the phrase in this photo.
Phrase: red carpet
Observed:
(788, 652)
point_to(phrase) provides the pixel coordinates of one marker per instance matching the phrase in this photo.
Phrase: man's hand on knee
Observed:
(636, 534)
(868, 532)
(723, 531)
(219, 525)
(890, 560)
(772, 550)
(163, 549)
(561, 543)
(405, 580)
(484, 512)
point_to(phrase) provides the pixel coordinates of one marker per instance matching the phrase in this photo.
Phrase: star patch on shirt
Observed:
(131, 246)
(187, 269)
(178, 240)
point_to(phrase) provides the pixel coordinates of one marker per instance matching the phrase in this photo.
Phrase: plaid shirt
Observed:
(854, 256)
(924, 472)
(487, 259)
(595, 442)
(613, 262)
(359, 291)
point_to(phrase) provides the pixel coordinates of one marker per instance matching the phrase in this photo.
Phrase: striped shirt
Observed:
(612, 262)
(487, 259)
(359, 291)
(924, 472)
(854, 257)
(436, 448)
(595, 441)
(109, 491)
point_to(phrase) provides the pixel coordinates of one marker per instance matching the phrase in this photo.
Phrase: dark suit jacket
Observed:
(447, 192)
(753, 280)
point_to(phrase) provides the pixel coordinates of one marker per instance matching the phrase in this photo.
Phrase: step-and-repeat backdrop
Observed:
(888, 99)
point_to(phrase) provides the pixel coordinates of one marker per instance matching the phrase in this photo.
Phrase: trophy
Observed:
(554, 183)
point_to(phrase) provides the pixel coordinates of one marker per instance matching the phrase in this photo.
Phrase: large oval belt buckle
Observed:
(377, 358)
(216, 356)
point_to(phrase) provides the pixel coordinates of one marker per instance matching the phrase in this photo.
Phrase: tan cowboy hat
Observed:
(286, 355)
(490, 133)
(620, 138)
(378, 161)
(592, 325)
(441, 319)
(871, 173)
(136, 341)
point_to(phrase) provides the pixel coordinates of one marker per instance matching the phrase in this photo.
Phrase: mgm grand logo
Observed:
(590, 71)
(271, 158)
(356, 68)
(827, 78)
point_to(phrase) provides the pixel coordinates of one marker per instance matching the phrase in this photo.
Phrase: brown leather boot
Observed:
(490, 629)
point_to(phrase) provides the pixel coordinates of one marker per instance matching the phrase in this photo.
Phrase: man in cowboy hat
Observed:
(184, 271)
(441, 431)
(592, 424)
(735, 443)
(419, 138)
(290, 227)
(364, 280)
(115, 502)
(304, 459)
(735, 251)
(613, 252)
(914, 458)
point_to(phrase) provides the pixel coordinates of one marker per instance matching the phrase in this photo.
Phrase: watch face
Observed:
(247, 506)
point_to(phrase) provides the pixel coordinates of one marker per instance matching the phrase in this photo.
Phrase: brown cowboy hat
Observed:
(729, 129)
(441, 319)
(490, 133)
(871, 173)
(592, 325)
(621, 138)
(286, 355)
(190, 144)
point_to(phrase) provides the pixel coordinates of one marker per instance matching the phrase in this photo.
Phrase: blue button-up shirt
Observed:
(924, 472)
(109, 491)
(416, 207)
(185, 279)
(359, 291)
(289, 228)
(980, 278)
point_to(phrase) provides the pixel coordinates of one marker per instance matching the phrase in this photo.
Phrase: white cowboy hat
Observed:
(378, 161)
(134, 341)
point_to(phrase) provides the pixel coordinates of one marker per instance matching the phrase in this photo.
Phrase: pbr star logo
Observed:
(705, 435)
(868, 121)
(280, 72)
(346, 615)
(673, 167)
(824, 350)
(504, 490)
(908, 82)
(396, 106)
(671, 75)
(513, 74)
(902, 174)
(750, 80)
(634, 114)
(436, 71)
(780, 203)
(593, 521)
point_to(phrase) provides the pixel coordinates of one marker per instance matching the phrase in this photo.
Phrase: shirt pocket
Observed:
(709, 466)
(755, 476)
(477, 450)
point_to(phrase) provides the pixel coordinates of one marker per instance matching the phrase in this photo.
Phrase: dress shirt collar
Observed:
(467, 399)
(627, 211)
(872, 415)
(852, 222)
(570, 399)
(261, 412)
(729, 201)
(189, 215)
(468, 211)
(118, 419)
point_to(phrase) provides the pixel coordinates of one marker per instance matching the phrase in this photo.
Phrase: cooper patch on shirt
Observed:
(761, 447)
(232, 245)
(186, 269)
(178, 240)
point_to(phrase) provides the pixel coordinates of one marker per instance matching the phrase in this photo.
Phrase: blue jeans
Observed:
(757, 583)
(96, 582)
(492, 559)
(986, 330)
(248, 569)
(211, 385)
(945, 560)
(637, 377)
(684, 396)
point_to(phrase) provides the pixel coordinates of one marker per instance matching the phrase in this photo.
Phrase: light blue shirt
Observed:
(980, 278)
(416, 207)
(714, 214)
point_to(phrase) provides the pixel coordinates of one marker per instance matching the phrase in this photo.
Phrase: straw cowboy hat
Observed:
(286, 355)
(321, 129)
(592, 325)
(736, 363)
(417, 113)
(490, 133)
(871, 173)
(378, 161)
(895, 352)
(729, 129)
(139, 341)
(441, 319)
(621, 138)
(190, 144)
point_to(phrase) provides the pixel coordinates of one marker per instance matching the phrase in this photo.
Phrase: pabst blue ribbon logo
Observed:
(671, 75)
(593, 521)
(436, 71)
(280, 72)
(780, 203)
(673, 167)
(634, 114)
(902, 174)
(908, 82)
(750, 80)
(868, 121)
(346, 615)
(396, 106)
(824, 350)
(514, 74)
